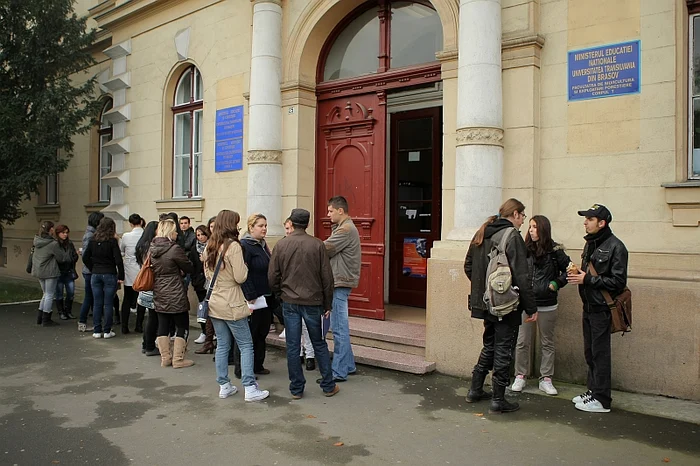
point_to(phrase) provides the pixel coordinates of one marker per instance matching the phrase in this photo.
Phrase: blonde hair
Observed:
(166, 228)
(252, 220)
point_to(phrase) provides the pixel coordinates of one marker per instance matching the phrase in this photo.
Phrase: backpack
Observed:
(500, 296)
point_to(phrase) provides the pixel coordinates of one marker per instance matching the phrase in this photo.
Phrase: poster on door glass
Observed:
(415, 257)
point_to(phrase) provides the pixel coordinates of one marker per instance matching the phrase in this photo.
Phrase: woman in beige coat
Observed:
(228, 308)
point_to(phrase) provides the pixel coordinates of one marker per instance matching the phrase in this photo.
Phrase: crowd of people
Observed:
(242, 286)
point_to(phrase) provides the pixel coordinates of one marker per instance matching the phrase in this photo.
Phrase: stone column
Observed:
(479, 164)
(265, 118)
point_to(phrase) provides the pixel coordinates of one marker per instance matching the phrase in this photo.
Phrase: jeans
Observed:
(596, 347)
(87, 302)
(48, 286)
(546, 321)
(293, 315)
(226, 330)
(343, 359)
(499, 342)
(104, 286)
(65, 281)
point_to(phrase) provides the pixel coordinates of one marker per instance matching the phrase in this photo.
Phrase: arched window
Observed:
(105, 158)
(187, 134)
(368, 44)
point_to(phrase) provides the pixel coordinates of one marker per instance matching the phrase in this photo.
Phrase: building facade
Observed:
(426, 115)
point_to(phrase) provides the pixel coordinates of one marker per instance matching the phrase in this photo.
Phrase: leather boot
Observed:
(125, 320)
(39, 317)
(46, 320)
(68, 308)
(476, 392)
(310, 364)
(140, 315)
(499, 404)
(179, 351)
(61, 310)
(208, 346)
(166, 357)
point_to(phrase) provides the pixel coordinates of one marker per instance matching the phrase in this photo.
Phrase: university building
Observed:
(425, 115)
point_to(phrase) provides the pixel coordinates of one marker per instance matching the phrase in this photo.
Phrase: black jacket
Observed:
(104, 258)
(68, 267)
(257, 257)
(549, 268)
(190, 239)
(477, 262)
(609, 256)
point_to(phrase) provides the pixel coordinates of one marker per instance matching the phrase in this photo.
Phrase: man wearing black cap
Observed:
(604, 267)
(300, 273)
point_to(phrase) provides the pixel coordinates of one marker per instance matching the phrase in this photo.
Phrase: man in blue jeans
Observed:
(300, 273)
(343, 248)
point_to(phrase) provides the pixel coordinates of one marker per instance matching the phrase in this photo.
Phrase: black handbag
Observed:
(29, 261)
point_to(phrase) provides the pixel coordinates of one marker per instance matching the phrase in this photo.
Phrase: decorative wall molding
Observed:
(264, 156)
(480, 137)
(276, 2)
(684, 200)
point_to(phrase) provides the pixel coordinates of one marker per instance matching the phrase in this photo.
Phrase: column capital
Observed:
(276, 2)
(265, 156)
(480, 136)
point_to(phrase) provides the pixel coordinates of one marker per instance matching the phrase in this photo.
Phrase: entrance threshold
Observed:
(399, 313)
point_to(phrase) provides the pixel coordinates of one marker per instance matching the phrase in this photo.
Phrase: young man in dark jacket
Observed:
(499, 334)
(605, 253)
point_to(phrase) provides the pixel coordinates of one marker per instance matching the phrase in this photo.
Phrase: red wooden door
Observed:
(350, 162)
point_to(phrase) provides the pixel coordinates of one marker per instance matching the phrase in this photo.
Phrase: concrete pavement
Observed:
(68, 399)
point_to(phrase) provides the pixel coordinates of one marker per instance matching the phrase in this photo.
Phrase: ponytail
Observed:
(507, 209)
(479, 235)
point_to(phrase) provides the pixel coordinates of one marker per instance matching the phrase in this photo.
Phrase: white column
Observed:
(265, 119)
(479, 165)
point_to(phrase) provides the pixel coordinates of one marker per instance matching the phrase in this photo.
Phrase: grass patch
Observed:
(13, 290)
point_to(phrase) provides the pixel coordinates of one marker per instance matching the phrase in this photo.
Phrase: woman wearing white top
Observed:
(131, 269)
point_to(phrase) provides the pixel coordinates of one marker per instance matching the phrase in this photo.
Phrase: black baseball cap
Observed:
(598, 211)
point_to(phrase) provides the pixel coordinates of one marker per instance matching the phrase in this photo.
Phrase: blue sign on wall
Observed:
(605, 71)
(228, 154)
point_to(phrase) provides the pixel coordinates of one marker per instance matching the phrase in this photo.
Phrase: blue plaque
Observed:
(604, 71)
(228, 152)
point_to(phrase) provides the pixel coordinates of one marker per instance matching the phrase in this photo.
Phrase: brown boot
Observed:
(166, 356)
(179, 351)
(208, 346)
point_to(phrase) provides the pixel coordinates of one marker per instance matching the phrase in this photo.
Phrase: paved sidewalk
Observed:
(66, 398)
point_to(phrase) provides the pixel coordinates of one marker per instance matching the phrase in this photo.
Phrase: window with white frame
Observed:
(105, 158)
(187, 134)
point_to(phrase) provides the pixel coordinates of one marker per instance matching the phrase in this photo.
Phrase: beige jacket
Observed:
(227, 301)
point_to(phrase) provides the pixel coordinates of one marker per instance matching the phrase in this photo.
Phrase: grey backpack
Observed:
(500, 295)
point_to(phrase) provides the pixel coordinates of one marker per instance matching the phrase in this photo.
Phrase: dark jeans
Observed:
(293, 313)
(130, 297)
(150, 332)
(181, 321)
(65, 281)
(104, 286)
(87, 302)
(499, 344)
(596, 347)
(259, 323)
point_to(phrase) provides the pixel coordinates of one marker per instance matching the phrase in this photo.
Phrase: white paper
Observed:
(414, 156)
(259, 303)
(411, 213)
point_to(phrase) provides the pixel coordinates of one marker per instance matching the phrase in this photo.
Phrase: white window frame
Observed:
(691, 98)
(195, 108)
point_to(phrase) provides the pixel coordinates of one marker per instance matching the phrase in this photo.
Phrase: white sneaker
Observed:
(547, 387)
(519, 384)
(283, 334)
(582, 397)
(227, 390)
(253, 393)
(96, 335)
(591, 405)
(200, 339)
(133, 310)
(110, 335)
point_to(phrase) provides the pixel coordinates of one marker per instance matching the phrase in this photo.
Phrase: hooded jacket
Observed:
(257, 257)
(609, 257)
(477, 262)
(47, 254)
(170, 264)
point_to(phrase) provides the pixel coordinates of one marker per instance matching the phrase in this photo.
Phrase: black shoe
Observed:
(153, 352)
(310, 364)
(138, 328)
(62, 316)
(476, 392)
(335, 379)
(46, 320)
(499, 404)
(39, 317)
(301, 359)
(125, 330)
(262, 371)
(70, 316)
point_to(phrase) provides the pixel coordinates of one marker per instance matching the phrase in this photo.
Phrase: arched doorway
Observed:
(379, 144)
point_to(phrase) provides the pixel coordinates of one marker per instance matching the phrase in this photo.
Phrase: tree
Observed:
(46, 96)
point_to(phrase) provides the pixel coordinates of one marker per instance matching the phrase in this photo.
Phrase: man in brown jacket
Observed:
(300, 273)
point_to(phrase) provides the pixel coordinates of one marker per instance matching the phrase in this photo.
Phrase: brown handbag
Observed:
(620, 308)
(144, 279)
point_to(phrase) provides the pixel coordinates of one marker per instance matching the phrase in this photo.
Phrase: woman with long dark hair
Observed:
(145, 298)
(228, 308)
(68, 274)
(170, 265)
(46, 254)
(500, 333)
(104, 259)
(547, 262)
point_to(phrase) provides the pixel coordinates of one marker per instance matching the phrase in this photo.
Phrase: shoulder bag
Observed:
(144, 279)
(620, 307)
(29, 261)
(203, 308)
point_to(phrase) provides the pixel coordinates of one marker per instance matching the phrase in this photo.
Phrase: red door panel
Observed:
(351, 163)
